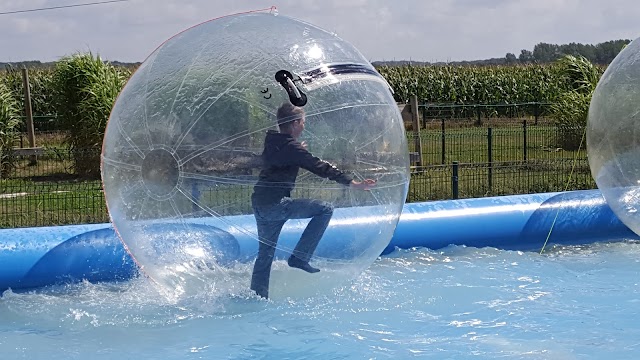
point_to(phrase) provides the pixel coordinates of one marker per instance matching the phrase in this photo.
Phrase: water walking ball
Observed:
(182, 154)
(613, 135)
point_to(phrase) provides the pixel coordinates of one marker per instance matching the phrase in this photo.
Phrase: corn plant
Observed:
(571, 109)
(40, 86)
(85, 91)
(475, 84)
(9, 123)
(463, 85)
(579, 73)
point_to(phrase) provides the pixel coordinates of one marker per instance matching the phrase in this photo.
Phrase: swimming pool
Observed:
(573, 302)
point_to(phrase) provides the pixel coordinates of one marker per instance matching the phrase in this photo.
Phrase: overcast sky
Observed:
(421, 30)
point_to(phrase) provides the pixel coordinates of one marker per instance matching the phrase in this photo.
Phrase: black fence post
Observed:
(536, 112)
(454, 180)
(444, 143)
(490, 156)
(524, 139)
(195, 193)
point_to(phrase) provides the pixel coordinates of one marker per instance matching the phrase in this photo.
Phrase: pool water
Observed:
(578, 302)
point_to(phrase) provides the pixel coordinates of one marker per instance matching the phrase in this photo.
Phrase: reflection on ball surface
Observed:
(613, 135)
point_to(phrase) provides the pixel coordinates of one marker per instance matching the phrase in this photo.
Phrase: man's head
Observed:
(290, 120)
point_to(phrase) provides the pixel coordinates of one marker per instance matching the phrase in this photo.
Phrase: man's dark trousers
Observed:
(270, 220)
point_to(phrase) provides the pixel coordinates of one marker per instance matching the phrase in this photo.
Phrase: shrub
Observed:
(570, 114)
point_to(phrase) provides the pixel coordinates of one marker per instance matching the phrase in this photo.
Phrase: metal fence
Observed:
(487, 150)
(510, 151)
(478, 114)
(48, 192)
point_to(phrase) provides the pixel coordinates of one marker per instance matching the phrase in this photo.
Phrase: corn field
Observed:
(432, 84)
(477, 84)
(41, 86)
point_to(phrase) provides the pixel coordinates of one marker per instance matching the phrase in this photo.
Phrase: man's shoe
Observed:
(294, 262)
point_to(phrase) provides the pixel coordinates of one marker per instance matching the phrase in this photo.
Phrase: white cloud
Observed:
(434, 30)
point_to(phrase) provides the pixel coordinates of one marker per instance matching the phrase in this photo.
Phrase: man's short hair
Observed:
(288, 113)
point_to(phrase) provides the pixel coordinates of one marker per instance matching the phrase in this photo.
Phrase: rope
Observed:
(566, 188)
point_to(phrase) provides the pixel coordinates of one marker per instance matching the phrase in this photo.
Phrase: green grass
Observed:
(471, 145)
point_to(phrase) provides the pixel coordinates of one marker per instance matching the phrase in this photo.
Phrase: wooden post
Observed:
(416, 128)
(29, 113)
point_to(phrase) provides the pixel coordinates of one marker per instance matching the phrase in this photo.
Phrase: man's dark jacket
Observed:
(282, 157)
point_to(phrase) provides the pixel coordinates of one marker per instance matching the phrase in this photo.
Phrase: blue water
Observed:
(579, 302)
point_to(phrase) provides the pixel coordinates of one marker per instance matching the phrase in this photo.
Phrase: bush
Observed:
(570, 114)
(571, 109)
(85, 91)
(9, 127)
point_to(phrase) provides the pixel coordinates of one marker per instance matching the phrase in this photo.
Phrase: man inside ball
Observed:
(282, 158)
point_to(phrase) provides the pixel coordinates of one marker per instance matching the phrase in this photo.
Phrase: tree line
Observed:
(602, 53)
(542, 53)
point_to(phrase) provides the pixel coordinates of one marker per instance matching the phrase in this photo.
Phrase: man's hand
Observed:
(365, 184)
